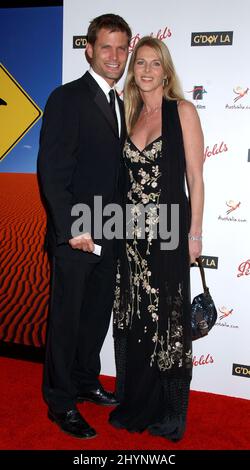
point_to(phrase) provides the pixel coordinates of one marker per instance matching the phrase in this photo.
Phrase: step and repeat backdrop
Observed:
(209, 48)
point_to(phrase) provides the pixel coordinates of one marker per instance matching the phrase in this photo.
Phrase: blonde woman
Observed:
(152, 326)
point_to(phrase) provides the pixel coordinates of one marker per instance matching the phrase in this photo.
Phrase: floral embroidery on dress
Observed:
(170, 350)
(167, 347)
(146, 156)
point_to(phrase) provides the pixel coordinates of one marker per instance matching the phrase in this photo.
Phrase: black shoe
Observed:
(98, 396)
(71, 422)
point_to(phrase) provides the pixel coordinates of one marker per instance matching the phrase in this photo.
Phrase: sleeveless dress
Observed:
(151, 319)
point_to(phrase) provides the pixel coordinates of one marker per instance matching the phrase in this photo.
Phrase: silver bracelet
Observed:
(194, 237)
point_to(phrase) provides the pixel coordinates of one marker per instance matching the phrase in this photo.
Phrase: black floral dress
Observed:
(149, 350)
(153, 348)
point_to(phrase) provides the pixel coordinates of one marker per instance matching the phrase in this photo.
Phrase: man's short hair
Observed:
(110, 22)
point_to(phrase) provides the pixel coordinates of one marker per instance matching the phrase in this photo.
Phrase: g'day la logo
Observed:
(214, 38)
(210, 262)
(241, 370)
(79, 42)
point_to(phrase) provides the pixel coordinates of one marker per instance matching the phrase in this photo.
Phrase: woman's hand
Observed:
(195, 248)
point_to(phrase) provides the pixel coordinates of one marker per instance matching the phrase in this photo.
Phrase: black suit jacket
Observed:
(80, 156)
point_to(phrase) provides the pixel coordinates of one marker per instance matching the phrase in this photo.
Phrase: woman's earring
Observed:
(165, 82)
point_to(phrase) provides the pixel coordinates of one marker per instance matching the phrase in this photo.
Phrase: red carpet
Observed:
(214, 421)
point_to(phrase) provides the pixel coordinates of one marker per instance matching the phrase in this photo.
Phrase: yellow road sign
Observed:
(18, 112)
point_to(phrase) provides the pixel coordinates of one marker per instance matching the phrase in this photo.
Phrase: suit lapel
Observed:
(101, 101)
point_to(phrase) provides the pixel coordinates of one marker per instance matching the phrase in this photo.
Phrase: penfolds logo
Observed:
(244, 268)
(215, 150)
(163, 33)
(203, 360)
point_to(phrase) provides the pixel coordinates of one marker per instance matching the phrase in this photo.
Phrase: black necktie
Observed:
(112, 105)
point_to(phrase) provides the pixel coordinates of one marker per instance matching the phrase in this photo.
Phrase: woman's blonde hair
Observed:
(171, 86)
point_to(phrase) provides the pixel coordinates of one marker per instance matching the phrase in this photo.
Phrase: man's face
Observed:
(109, 54)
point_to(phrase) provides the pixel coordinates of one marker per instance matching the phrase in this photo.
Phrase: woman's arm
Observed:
(194, 154)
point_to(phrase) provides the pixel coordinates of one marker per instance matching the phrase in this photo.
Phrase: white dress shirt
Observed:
(106, 89)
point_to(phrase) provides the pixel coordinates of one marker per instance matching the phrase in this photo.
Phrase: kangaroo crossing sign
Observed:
(18, 112)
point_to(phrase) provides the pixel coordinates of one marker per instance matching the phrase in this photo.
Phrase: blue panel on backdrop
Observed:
(31, 50)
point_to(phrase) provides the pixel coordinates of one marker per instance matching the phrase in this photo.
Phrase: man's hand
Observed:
(83, 242)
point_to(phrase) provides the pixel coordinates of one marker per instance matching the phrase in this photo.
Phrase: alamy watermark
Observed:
(140, 221)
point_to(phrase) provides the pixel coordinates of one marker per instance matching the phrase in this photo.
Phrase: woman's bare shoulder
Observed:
(187, 111)
(185, 106)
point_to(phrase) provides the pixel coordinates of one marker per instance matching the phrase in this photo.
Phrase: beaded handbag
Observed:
(203, 311)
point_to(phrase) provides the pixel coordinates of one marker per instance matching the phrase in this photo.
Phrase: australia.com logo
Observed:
(214, 38)
(239, 98)
(241, 370)
(231, 212)
(225, 316)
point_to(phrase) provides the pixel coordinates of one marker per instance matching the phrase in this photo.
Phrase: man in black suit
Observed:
(79, 158)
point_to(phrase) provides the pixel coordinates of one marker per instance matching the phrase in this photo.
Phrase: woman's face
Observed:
(148, 70)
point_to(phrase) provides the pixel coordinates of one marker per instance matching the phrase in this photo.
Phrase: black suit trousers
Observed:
(82, 295)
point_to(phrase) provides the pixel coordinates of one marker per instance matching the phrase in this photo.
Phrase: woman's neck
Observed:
(151, 102)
